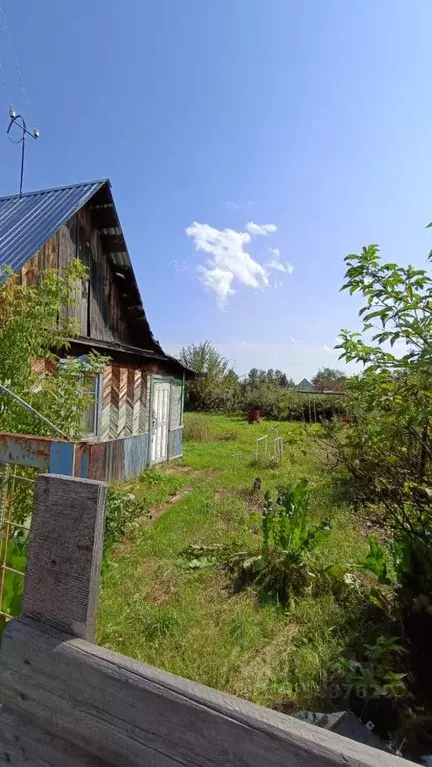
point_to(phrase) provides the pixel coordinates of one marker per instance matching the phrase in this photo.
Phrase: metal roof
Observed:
(27, 222)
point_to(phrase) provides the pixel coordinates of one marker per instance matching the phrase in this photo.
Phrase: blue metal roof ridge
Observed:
(28, 222)
(99, 181)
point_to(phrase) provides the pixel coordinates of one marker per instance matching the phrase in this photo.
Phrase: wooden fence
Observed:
(68, 702)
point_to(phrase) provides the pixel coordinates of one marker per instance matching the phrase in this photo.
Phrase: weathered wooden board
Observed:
(131, 714)
(25, 744)
(62, 576)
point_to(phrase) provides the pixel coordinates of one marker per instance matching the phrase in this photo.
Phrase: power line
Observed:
(3, 79)
(17, 66)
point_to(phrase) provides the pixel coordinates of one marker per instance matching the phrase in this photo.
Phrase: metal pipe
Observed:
(32, 410)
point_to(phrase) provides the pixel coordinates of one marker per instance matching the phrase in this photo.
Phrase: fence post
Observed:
(65, 552)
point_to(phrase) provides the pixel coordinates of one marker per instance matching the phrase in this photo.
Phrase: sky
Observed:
(251, 144)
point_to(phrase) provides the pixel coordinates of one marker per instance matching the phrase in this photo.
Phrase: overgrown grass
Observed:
(157, 609)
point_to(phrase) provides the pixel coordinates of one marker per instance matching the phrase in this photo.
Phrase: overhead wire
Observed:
(4, 83)
(17, 66)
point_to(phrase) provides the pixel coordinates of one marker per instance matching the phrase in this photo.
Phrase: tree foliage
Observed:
(35, 321)
(328, 379)
(388, 448)
(217, 387)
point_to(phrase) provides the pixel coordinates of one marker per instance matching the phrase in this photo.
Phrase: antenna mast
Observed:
(20, 123)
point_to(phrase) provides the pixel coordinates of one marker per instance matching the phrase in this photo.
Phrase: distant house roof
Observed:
(29, 221)
(305, 385)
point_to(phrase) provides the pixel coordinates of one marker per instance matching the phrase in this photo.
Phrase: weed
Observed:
(121, 513)
(196, 430)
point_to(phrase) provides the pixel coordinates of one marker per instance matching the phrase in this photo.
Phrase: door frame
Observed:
(158, 379)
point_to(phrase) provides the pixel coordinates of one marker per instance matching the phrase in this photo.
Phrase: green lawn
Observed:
(190, 622)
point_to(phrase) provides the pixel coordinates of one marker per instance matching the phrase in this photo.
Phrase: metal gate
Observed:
(17, 485)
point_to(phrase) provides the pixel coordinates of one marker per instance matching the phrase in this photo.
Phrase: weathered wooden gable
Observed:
(101, 309)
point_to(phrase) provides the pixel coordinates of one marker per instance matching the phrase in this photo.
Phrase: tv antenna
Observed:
(21, 126)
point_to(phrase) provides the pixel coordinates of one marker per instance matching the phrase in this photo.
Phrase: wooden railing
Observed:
(68, 702)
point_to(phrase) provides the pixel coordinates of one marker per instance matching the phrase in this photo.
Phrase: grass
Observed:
(158, 610)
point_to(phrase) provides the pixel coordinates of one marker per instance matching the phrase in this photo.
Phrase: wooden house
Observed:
(138, 414)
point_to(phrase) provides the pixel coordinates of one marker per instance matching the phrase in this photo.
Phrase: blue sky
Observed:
(312, 118)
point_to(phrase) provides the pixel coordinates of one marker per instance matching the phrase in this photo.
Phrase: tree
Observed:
(204, 360)
(388, 448)
(328, 379)
(35, 320)
(252, 376)
(283, 381)
(215, 386)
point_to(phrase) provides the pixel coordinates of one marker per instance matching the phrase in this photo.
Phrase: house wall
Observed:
(122, 448)
(100, 310)
(125, 421)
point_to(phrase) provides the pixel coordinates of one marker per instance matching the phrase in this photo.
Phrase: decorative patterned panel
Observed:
(122, 402)
(130, 393)
(106, 403)
(144, 408)
(136, 402)
(115, 399)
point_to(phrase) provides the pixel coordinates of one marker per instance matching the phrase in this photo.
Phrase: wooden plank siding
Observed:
(123, 382)
(136, 407)
(100, 309)
(106, 403)
(124, 402)
(115, 402)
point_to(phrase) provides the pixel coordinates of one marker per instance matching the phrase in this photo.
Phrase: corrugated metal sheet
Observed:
(27, 222)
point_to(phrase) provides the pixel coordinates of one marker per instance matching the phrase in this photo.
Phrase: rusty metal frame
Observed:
(7, 528)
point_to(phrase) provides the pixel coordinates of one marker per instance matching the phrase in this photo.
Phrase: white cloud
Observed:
(229, 260)
(238, 205)
(218, 280)
(281, 267)
(327, 348)
(230, 264)
(260, 229)
(275, 252)
(180, 266)
(277, 264)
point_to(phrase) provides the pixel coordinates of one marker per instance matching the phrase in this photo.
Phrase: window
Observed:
(89, 377)
(90, 418)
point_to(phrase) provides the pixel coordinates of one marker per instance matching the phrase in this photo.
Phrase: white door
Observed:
(160, 416)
